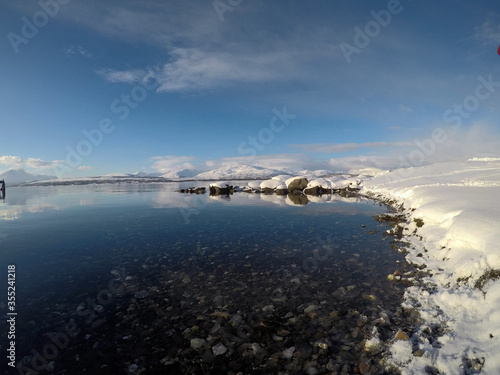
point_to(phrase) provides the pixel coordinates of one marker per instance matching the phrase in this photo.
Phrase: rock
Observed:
(311, 308)
(316, 190)
(220, 188)
(288, 353)
(296, 184)
(142, 294)
(402, 336)
(364, 368)
(373, 346)
(197, 343)
(219, 349)
(281, 189)
(418, 353)
(133, 368)
(369, 297)
(268, 308)
(321, 344)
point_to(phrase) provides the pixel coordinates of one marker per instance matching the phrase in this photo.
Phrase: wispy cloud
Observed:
(122, 76)
(489, 30)
(171, 163)
(195, 69)
(331, 148)
(78, 50)
(42, 164)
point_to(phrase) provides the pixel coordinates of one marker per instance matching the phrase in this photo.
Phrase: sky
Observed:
(97, 87)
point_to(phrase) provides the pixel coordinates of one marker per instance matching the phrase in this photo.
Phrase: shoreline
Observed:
(452, 228)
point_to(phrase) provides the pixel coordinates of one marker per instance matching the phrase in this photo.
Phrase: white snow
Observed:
(182, 173)
(254, 184)
(242, 172)
(270, 184)
(459, 203)
(342, 183)
(321, 182)
(221, 184)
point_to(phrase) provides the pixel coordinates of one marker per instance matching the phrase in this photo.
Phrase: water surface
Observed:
(153, 280)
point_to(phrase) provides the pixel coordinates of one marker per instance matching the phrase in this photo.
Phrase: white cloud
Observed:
(172, 163)
(85, 168)
(331, 148)
(35, 165)
(10, 160)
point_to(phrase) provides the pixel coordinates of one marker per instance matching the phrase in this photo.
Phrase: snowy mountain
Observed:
(315, 173)
(242, 172)
(183, 173)
(17, 176)
(145, 174)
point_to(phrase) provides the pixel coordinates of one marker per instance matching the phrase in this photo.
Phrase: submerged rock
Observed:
(197, 343)
(219, 349)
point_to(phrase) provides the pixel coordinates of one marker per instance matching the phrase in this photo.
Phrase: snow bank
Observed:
(459, 204)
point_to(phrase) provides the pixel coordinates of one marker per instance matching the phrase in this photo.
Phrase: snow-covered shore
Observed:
(459, 242)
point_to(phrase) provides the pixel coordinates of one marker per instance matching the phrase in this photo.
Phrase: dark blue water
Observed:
(139, 271)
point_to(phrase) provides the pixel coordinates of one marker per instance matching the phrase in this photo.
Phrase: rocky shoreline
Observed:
(296, 188)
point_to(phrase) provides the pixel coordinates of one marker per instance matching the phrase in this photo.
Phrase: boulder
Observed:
(316, 190)
(281, 189)
(296, 184)
(221, 188)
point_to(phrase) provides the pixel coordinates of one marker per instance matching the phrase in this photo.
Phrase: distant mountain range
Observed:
(17, 176)
(242, 172)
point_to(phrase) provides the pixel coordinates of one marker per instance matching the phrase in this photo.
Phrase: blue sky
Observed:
(160, 86)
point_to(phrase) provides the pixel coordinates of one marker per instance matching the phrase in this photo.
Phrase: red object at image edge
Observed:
(498, 50)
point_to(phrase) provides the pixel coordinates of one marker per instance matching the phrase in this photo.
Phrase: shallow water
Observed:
(137, 278)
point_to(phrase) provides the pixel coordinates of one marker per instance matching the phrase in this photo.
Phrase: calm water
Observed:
(142, 279)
